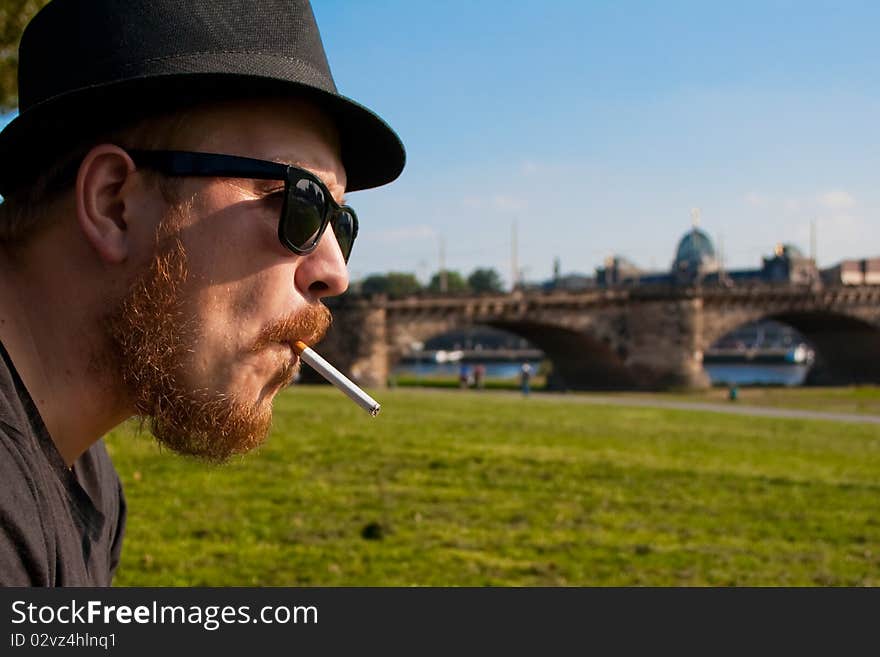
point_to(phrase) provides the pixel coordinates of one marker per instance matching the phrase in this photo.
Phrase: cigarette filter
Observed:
(337, 378)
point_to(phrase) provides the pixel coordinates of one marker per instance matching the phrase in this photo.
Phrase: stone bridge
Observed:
(624, 338)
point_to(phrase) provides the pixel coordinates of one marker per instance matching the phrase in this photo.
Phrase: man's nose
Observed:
(322, 273)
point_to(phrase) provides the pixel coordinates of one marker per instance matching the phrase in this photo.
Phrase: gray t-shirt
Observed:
(58, 527)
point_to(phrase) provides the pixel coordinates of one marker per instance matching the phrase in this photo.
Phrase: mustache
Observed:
(309, 325)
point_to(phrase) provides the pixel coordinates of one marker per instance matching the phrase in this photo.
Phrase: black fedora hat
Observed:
(85, 65)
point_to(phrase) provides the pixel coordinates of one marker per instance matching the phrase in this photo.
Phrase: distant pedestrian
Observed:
(525, 377)
(479, 376)
(464, 376)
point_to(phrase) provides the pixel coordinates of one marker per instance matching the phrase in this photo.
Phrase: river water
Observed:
(764, 374)
(720, 373)
(429, 369)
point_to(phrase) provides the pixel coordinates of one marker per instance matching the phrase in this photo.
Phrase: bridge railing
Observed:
(522, 301)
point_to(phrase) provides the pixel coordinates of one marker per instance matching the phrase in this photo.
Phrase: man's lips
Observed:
(308, 324)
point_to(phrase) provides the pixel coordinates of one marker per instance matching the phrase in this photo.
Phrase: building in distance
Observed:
(696, 262)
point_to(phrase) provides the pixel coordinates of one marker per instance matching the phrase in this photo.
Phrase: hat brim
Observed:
(372, 153)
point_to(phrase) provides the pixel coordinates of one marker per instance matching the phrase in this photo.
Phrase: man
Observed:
(173, 217)
(525, 377)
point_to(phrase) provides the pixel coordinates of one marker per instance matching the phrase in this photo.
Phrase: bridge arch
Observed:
(847, 346)
(581, 359)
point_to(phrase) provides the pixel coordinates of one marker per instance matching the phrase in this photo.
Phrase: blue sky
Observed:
(598, 126)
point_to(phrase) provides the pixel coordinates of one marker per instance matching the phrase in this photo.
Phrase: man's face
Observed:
(202, 336)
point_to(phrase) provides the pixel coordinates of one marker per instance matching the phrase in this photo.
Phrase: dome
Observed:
(695, 256)
(694, 247)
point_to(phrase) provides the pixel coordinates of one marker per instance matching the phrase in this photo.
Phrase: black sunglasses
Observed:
(308, 207)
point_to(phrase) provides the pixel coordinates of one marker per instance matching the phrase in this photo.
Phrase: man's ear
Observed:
(100, 200)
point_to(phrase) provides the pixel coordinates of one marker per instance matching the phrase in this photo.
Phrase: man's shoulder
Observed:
(19, 447)
(20, 479)
(15, 427)
(23, 550)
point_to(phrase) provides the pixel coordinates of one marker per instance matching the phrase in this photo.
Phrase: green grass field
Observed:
(451, 488)
(852, 399)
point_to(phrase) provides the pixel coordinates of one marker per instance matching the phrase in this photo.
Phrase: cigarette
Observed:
(337, 378)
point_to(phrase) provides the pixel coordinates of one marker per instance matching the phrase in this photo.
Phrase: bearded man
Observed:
(173, 216)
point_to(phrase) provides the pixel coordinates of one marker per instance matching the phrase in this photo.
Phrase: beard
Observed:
(154, 339)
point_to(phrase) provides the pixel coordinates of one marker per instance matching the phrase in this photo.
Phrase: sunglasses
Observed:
(308, 207)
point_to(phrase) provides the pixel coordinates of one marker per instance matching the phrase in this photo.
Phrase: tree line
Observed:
(401, 284)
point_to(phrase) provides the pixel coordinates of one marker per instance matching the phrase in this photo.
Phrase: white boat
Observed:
(442, 356)
(800, 354)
